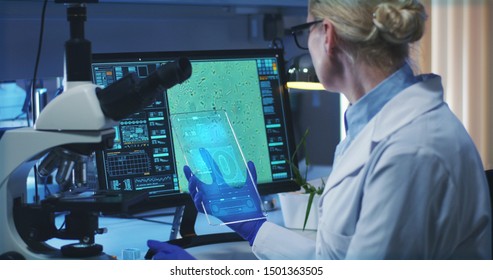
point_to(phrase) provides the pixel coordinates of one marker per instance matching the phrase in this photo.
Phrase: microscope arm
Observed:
(80, 107)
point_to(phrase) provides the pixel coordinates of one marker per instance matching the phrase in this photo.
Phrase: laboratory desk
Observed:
(133, 232)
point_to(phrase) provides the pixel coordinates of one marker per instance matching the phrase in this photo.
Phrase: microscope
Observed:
(68, 130)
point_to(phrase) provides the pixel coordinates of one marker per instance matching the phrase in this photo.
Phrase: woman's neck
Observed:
(359, 79)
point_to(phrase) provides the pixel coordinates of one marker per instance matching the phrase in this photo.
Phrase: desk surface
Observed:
(134, 233)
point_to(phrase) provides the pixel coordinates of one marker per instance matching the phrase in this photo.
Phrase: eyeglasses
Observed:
(301, 33)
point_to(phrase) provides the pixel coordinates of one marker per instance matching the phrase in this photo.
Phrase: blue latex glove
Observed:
(247, 230)
(166, 251)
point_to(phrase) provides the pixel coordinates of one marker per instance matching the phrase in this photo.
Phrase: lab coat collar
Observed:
(399, 111)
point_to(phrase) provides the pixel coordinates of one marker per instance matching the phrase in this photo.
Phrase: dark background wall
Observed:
(132, 26)
(161, 25)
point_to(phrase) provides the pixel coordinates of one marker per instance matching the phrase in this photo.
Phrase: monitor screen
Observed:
(249, 85)
(13, 108)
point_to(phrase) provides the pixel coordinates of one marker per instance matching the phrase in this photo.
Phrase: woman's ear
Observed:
(330, 37)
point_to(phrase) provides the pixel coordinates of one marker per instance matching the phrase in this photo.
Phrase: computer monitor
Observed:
(249, 85)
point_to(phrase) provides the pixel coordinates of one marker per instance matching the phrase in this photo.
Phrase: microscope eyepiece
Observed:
(168, 75)
(130, 94)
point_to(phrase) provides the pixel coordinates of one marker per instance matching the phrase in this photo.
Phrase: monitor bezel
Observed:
(180, 198)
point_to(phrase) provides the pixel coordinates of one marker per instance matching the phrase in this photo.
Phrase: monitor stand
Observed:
(184, 223)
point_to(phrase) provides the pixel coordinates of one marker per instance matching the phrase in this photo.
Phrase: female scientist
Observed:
(407, 181)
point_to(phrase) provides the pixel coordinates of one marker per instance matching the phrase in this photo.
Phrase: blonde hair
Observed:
(377, 32)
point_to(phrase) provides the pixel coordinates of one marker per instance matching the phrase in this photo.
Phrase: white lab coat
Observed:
(410, 186)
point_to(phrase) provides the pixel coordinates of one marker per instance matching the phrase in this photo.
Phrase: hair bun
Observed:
(400, 22)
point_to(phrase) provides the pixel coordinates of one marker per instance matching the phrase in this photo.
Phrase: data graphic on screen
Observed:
(248, 85)
(141, 158)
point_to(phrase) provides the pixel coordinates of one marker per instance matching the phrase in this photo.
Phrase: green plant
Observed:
(301, 179)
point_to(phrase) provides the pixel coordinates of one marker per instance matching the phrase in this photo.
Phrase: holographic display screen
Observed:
(211, 150)
(249, 85)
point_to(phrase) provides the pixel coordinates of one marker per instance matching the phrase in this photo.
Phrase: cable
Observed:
(153, 221)
(38, 55)
(33, 86)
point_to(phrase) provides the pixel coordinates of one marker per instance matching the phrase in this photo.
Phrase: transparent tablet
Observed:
(211, 150)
